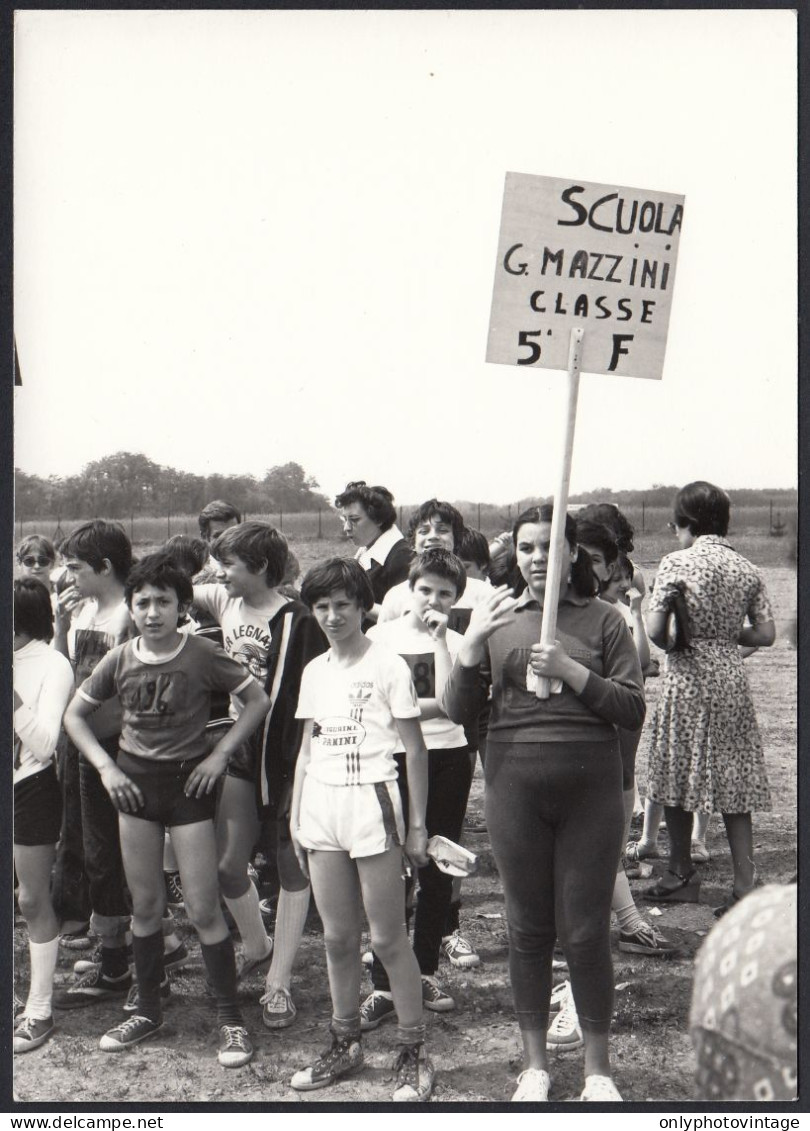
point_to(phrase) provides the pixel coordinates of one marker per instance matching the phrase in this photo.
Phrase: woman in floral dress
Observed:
(705, 753)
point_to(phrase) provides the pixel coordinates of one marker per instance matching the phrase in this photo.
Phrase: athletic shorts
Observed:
(38, 808)
(243, 762)
(362, 820)
(162, 785)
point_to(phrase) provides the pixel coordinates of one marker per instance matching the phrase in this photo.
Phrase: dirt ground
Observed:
(475, 1048)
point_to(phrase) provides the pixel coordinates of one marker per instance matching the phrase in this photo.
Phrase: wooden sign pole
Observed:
(548, 629)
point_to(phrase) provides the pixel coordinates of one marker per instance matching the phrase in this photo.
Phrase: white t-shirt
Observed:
(353, 709)
(397, 601)
(418, 650)
(43, 679)
(245, 631)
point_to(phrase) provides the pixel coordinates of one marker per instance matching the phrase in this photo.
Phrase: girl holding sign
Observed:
(553, 785)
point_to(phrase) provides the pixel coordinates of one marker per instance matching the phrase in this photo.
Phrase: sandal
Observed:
(687, 889)
(635, 852)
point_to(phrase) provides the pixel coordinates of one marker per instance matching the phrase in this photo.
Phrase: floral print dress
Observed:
(705, 753)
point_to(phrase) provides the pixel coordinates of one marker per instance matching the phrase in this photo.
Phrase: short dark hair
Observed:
(216, 511)
(703, 507)
(583, 581)
(94, 541)
(624, 567)
(337, 573)
(160, 570)
(443, 564)
(260, 546)
(502, 559)
(441, 509)
(610, 515)
(33, 613)
(36, 543)
(599, 536)
(473, 547)
(188, 554)
(378, 502)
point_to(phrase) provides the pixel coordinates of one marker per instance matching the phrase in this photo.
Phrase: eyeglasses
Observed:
(671, 527)
(29, 563)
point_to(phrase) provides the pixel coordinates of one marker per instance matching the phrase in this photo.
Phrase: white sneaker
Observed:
(533, 1085)
(564, 1031)
(600, 1089)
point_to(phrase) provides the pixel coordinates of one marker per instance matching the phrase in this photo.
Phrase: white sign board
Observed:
(577, 254)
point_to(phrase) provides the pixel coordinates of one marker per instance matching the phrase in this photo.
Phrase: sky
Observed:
(244, 238)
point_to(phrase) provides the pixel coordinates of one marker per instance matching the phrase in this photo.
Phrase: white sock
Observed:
(43, 964)
(623, 904)
(291, 918)
(169, 858)
(700, 826)
(248, 916)
(653, 815)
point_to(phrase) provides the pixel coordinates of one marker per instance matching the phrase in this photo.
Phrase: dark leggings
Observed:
(556, 819)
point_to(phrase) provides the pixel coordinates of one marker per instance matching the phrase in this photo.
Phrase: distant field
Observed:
(314, 536)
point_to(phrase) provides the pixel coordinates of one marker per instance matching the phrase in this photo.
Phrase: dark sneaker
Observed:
(174, 890)
(459, 950)
(245, 966)
(434, 997)
(131, 1004)
(31, 1032)
(130, 1032)
(235, 1048)
(343, 1057)
(415, 1075)
(176, 959)
(646, 940)
(279, 1009)
(93, 960)
(92, 987)
(378, 1006)
(80, 939)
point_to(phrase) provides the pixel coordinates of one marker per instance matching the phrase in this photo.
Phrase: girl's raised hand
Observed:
(492, 613)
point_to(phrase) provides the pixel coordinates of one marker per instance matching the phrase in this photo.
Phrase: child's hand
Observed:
(436, 623)
(205, 775)
(124, 793)
(550, 660)
(634, 599)
(493, 613)
(66, 604)
(416, 847)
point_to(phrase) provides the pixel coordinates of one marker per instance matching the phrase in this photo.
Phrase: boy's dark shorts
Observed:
(38, 809)
(162, 785)
(243, 763)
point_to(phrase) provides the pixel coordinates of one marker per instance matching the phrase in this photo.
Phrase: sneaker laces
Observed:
(271, 997)
(458, 942)
(648, 934)
(567, 1016)
(406, 1067)
(25, 1027)
(131, 1023)
(234, 1037)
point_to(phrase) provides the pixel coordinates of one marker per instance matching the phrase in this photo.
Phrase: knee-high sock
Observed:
(220, 962)
(147, 950)
(43, 964)
(245, 910)
(291, 918)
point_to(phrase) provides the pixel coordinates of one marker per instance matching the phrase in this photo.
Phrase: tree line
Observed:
(129, 483)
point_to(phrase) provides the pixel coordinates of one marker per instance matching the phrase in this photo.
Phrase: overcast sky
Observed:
(243, 238)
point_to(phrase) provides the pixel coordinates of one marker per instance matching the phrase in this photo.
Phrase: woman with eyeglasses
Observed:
(369, 517)
(705, 753)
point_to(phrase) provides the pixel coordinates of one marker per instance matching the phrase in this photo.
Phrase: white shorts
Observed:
(362, 820)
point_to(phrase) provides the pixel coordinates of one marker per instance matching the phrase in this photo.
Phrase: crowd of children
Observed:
(175, 713)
